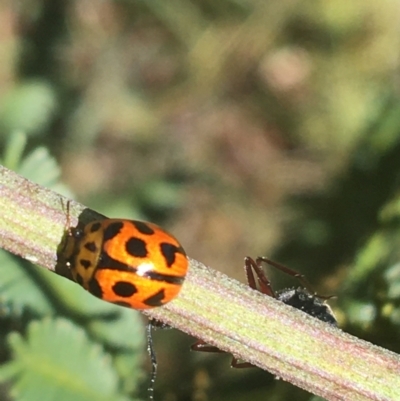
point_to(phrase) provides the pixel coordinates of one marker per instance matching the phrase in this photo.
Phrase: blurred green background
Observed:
(244, 127)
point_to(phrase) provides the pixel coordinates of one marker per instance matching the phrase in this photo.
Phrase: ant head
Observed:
(311, 304)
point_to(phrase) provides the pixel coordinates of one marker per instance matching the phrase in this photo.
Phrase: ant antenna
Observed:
(153, 359)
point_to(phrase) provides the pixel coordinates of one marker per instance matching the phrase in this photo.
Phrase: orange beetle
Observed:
(127, 262)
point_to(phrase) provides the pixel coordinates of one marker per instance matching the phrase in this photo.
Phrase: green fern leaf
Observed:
(28, 107)
(18, 288)
(56, 361)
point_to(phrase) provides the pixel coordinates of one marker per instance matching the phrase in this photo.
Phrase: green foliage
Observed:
(38, 165)
(57, 361)
(19, 289)
(373, 285)
(28, 107)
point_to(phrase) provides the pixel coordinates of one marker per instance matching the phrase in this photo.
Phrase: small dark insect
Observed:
(303, 298)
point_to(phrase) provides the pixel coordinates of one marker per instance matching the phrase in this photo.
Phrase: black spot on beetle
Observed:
(136, 247)
(91, 246)
(156, 299)
(143, 227)
(85, 263)
(106, 262)
(124, 289)
(95, 289)
(152, 275)
(95, 227)
(112, 230)
(169, 251)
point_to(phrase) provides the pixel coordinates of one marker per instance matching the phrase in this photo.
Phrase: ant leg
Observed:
(153, 324)
(300, 277)
(240, 365)
(157, 324)
(250, 267)
(202, 346)
(265, 288)
(153, 359)
(265, 285)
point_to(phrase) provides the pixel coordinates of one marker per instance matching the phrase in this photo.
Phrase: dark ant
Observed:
(303, 298)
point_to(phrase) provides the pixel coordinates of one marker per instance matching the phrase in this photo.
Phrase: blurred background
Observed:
(244, 127)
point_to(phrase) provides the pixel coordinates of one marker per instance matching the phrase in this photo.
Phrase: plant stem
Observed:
(225, 313)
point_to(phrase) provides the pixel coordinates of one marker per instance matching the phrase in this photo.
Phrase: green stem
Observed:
(255, 328)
